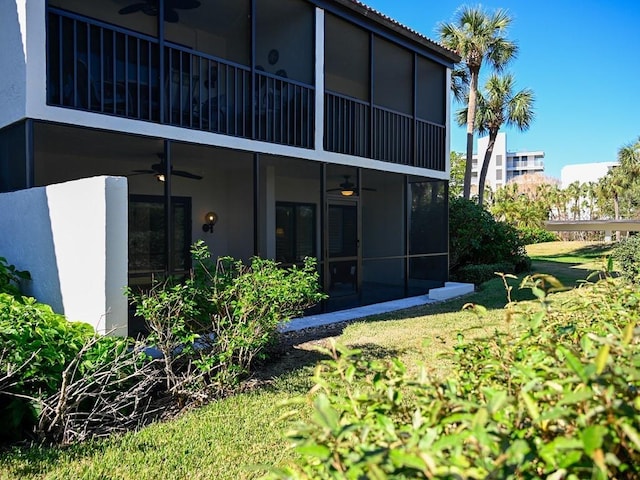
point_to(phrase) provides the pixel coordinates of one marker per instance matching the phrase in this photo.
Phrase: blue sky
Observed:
(580, 57)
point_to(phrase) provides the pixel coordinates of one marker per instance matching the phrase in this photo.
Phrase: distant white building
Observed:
(584, 172)
(504, 165)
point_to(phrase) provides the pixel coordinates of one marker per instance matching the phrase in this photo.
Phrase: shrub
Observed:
(478, 274)
(11, 277)
(476, 238)
(37, 345)
(627, 254)
(212, 327)
(555, 397)
(531, 235)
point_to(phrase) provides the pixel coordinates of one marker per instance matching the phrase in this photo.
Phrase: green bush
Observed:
(11, 277)
(627, 254)
(476, 238)
(531, 235)
(555, 397)
(36, 345)
(478, 274)
(222, 319)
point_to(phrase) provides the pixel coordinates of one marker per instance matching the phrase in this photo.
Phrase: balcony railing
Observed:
(354, 127)
(347, 127)
(102, 68)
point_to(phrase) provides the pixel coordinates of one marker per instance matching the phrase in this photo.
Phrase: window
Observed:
(499, 175)
(147, 234)
(295, 231)
(498, 160)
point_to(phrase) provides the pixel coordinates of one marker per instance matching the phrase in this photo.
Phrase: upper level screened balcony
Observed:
(245, 68)
(193, 70)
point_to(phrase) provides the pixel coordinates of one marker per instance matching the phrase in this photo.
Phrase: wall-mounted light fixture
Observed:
(210, 220)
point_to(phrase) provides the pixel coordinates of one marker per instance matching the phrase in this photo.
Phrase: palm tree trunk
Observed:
(616, 214)
(471, 115)
(485, 166)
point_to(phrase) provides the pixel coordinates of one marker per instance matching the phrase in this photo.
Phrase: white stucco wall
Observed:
(13, 81)
(72, 237)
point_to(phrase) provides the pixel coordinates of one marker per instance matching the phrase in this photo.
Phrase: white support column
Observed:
(319, 94)
(447, 103)
(270, 205)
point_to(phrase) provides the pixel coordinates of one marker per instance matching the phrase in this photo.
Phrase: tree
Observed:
(498, 105)
(477, 36)
(622, 183)
(456, 181)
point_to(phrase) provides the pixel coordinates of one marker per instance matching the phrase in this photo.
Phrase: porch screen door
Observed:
(343, 251)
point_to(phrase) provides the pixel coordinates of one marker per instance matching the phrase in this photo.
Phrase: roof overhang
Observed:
(381, 22)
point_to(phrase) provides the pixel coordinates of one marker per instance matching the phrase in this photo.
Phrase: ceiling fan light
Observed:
(160, 177)
(346, 192)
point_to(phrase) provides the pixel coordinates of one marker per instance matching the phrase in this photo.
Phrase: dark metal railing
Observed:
(284, 111)
(96, 67)
(206, 93)
(351, 128)
(393, 136)
(347, 125)
(430, 145)
(103, 68)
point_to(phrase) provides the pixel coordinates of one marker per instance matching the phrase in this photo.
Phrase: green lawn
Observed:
(569, 261)
(230, 438)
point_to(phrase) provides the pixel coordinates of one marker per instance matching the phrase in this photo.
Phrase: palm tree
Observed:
(498, 106)
(574, 191)
(476, 36)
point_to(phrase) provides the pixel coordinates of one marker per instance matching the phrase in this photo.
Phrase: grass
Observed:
(230, 438)
(569, 261)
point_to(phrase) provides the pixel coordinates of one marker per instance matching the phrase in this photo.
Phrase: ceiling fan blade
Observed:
(183, 4)
(182, 173)
(136, 7)
(171, 15)
(159, 168)
(143, 171)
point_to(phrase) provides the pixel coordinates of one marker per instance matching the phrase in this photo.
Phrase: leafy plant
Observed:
(476, 238)
(627, 254)
(37, 346)
(554, 397)
(478, 274)
(10, 278)
(211, 328)
(531, 235)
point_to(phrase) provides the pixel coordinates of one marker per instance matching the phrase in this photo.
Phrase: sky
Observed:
(580, 57)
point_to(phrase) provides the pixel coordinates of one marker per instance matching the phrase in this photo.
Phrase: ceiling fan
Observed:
(160, 170)
(151, 7)
(348, 188)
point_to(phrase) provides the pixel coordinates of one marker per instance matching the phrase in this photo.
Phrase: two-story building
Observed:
(308, 127)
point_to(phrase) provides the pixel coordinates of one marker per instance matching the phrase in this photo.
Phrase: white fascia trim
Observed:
(319, 76)
(138, 127)
(447, 113)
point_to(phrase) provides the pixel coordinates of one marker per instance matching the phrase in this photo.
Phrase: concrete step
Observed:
(450, 290)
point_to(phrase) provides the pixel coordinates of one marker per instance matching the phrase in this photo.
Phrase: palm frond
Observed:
(460, 83)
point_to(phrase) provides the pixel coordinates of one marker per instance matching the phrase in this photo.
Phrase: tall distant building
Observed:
(584, 172)
(504, 165)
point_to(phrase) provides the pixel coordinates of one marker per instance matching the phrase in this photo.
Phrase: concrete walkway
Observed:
(355, 313)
